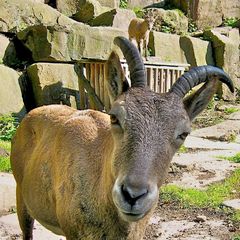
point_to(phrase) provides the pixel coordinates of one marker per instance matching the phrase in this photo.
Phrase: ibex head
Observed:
(150, 17)
(148, 128)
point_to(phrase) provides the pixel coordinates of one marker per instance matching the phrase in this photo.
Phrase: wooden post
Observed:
(90, 90)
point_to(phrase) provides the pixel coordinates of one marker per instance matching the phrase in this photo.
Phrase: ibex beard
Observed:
(90, 175)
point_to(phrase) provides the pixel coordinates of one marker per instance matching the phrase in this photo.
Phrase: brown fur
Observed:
(139, 30)
(72, 167)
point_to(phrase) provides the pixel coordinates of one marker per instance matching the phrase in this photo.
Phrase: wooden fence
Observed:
(160, 77)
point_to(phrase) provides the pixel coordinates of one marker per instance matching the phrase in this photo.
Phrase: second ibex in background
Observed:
(139, 30)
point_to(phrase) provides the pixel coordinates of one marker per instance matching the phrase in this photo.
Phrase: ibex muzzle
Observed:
(89, 175)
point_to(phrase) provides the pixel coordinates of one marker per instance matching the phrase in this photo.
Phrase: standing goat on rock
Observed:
(139, 30)
(89, 175)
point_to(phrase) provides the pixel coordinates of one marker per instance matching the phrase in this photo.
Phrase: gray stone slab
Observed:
(7, 192)
(233, 203)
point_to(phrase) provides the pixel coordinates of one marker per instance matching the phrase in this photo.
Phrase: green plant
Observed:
(213, 196)
(230, 22)
(235, 158)
(192, 27)
(182, 149)
(123, 3)
(8, 126)
(139, 12)
(5, 164)
(236, 237)
(231, 110)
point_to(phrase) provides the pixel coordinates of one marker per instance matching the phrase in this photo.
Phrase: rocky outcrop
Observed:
(4, 42)
(51, 86)
(11, 100)
(226, 42)
(175, 20)
(166, 47)
(209, 13)
(143, 3)
(181, 49)
(197, 52)
(89, 10)
(16, 15)
(117, 18)
(69, 42)
(111, 4)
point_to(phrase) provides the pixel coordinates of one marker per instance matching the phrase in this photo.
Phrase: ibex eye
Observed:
(114, 119)
(183, 136)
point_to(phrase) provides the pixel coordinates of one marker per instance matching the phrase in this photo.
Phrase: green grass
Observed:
(231, 110)
(236, 237)
(182, 149)
(5, 164)
(213, 196)
(5, 160)
(5, 145)
(235, 158)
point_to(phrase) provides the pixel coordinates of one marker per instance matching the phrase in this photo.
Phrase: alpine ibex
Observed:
(89, 175)
(139, 30)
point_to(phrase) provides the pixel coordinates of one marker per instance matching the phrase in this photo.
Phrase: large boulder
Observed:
(88, 10)
(118, 18)
(174, 19)
(54, 83)
(166, 47)
(17, 15)
(68, 7)
(110, 3)
(11, 100)
(181, 49)
(197, 52)
(67, 43)
(208, 13)
(231, 8)
(142, 3)
(226, 43)
(4, 42)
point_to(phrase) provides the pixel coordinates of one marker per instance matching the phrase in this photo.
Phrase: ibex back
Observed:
(89, 175)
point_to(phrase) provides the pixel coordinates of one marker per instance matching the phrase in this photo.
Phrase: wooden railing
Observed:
(160, 77)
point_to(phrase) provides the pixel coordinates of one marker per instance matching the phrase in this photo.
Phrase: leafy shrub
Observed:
(8, 126)
(139, 12)
(123, 3)
(230, 22)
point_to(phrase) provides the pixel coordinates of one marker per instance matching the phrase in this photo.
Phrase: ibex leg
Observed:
(25, 220)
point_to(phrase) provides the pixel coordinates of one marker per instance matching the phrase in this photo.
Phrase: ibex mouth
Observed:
(133, 203)
(131, 217)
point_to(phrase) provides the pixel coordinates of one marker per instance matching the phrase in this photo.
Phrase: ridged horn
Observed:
(199, 75)
(134, 61)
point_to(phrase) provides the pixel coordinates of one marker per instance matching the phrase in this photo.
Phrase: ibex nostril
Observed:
(131, 195)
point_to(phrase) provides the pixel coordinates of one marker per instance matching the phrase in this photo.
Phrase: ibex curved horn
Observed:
(199, 75)
(134, 61)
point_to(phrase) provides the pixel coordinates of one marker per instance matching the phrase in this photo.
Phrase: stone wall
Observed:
(39, 46)
(208, 13)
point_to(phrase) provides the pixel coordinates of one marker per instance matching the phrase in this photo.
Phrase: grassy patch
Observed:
(235, 158)
(6, 145)
(213, 196)
(8, 126)
(231, 110)
(182, 149)
(5, 164)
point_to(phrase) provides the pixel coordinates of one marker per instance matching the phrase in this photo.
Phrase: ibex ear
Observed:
(116, 81)
(198, 100)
